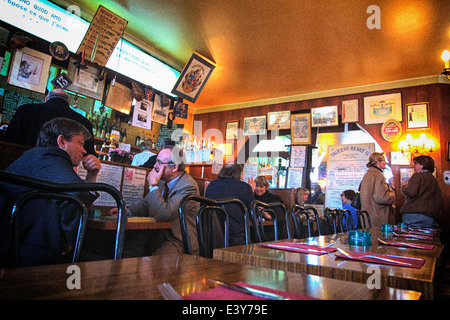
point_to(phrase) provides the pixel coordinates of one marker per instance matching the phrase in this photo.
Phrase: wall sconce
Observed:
(446, 57)
(417, 147)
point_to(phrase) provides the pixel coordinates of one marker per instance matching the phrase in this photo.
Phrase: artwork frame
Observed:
(86, 82)
(417, 115)
(232, 130)
(278, 120)
(190, 90)
(379, 108)
(350, 111)
(32, 73)
(324, 116)
(255, 125)
(301, 129)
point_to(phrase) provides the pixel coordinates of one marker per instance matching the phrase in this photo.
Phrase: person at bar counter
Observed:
(48, 228)
(142, 157)
(377, 197)
(229, 185)
(169, 184)
(29, 119)
(423, 195)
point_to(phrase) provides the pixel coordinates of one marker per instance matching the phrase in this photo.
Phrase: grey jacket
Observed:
(154, 205)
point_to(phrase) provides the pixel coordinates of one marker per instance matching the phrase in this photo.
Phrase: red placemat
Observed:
(412, 235)
(415, 263)
(407, 244)
(299, 247)
(222, 293)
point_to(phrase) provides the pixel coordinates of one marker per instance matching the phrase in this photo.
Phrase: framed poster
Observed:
(30, 69)
(161, 106)
(378, 109)
(417, 115)
(254, 125)
(324, 116)
(294, 178)
(193, 78)
(278, 120)
(301, 128)
(298, 156)
(85, 81)
(119, 98)
(350, 111)
(232, 130)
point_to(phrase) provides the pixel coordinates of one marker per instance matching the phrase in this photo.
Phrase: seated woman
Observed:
(301, 195)
(261, 186)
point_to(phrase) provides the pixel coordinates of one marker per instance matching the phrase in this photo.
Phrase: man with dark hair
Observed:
(29, 119)
(229, 185)
(169, 184)
(48, 228)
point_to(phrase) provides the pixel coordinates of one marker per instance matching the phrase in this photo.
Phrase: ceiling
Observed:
(268, 49)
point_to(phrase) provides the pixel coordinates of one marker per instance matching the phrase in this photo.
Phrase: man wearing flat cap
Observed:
(29, 119)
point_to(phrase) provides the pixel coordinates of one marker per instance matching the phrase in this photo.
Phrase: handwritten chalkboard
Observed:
(12, 100)
(165, 132)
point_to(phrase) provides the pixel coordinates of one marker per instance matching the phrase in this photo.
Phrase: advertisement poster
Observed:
(345, 169)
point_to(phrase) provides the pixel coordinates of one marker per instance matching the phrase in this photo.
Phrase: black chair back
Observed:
(364, 219)
(297, 212)
(60, 190)
(257, 210)
(207, 204)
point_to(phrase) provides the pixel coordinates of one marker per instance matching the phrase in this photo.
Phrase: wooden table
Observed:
(135, 223)
(137, 278)
(330, 266)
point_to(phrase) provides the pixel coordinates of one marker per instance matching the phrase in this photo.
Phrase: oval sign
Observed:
(391, 130)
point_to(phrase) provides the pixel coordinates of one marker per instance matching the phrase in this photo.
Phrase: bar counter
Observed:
(137, 278)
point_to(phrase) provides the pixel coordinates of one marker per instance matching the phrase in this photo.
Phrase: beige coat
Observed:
(377, 197)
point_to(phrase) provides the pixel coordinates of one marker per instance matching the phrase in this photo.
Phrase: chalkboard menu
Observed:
(12, 100)
(165, 132)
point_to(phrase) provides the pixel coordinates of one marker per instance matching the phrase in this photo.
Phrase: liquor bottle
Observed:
(137, 142)
(124, 135)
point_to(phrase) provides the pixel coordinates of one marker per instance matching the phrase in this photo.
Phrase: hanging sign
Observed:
(103, 34)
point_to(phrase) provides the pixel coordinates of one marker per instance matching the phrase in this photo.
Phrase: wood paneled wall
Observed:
(438, 96)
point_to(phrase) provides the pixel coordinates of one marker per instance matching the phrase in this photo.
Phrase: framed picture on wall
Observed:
(301, 128)
(417, 115)
(86, 81)
(378, 109)
(232, 130)
(324, 116)
(193, 78)
(30, 69)
(350, 111)
(254, 125)
(278, 120)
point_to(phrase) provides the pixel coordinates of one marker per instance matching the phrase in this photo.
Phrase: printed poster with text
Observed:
(346, 167)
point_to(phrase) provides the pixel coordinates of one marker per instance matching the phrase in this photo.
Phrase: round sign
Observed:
(59, 50)
(391, 130)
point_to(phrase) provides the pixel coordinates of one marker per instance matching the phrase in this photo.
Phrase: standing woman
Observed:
(377, 197)
(423, 195)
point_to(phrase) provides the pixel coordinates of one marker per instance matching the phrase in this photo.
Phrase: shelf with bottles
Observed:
(198, 150)
(273, 168)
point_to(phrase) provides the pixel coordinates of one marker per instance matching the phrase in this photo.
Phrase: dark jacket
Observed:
(29, 119)
(423, 195)
(46, 226)
(232, 188)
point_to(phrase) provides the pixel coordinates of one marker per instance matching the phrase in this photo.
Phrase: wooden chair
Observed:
(209, 205)
(46, 189)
